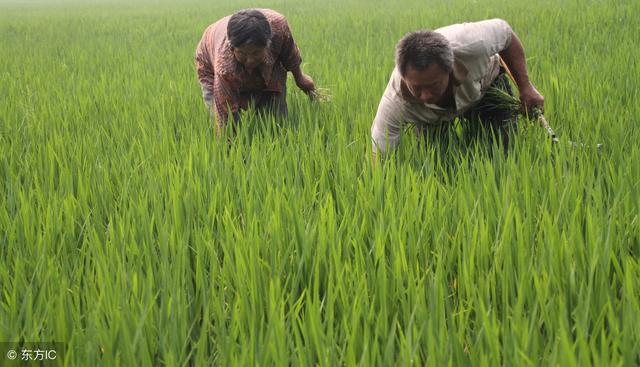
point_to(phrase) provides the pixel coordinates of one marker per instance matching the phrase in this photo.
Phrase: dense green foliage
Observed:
(129, 233)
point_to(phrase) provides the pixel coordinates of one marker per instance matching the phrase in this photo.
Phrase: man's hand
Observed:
(531, 99)
(305, 83)
(514, 61)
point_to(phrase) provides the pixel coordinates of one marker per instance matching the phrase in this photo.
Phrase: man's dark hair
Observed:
(248, 27)
(420, 49)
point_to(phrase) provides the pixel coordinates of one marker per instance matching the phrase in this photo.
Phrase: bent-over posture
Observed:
(443, 74)
(243, 59)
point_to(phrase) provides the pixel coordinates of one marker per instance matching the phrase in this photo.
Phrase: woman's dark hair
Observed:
(248, 27)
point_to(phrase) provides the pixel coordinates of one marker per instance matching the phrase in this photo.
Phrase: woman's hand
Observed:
(305, 83)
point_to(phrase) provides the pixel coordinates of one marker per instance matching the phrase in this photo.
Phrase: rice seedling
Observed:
(321, 95)
(511, 102)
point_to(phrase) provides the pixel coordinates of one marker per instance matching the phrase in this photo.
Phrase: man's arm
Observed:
(499, 38)
(386, 128)
(514, 57)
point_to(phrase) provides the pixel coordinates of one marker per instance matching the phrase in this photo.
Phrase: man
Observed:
(444, 74)
(243, 59)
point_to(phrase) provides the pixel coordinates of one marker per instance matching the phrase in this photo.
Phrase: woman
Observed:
(244, 59)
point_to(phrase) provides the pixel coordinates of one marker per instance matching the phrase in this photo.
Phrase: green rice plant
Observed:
(129, 233)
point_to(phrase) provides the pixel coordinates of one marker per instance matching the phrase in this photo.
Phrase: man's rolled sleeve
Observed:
(387, 125)
(496, 34)
(479, 39)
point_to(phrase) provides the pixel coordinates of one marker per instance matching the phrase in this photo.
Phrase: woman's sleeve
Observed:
(290, 54)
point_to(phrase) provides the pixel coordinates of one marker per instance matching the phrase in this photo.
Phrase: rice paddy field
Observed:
(130, 234)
